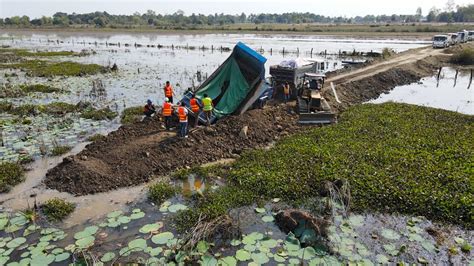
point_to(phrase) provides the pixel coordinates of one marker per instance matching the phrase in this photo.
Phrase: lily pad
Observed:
(242, 255)
(382, 259)
(162, 238)
(270, 243)
(390, 234)
(356, 220)
(42, 260)
(228, 261)
(428, 246)
(85, 242)
(235, 242)
(149, 228)
(268, 219)
(107, 257)
(177, 207)
(260, 210)
(260, 258)
(137, 244)
(202, 246)
(114, 214)
(62, 257)
(124, 219)
(137, 215)
(415, 237)
(16, 242)
(208, 260)
(275, 200)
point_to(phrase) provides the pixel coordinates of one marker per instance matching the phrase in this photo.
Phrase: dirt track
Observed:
(135, 153)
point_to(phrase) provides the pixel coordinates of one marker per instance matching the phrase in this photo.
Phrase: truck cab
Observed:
(462, 37)
(440, 41)
(470, 35)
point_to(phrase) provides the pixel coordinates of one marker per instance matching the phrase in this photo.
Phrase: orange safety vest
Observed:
(168, 91)
(194, 105)
(183, 117)
(167, 109)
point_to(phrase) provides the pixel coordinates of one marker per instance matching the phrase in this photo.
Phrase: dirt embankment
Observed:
(133, 154)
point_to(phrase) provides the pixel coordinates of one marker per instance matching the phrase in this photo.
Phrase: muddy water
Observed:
(448, 93)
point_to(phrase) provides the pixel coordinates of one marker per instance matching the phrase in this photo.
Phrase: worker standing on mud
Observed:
(286, 92)
(207, 102)
(169, 93)
(149, 108)
(167, 112)
(196, 108)
(183, 120)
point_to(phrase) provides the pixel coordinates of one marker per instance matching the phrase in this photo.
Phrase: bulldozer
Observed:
(312, 107)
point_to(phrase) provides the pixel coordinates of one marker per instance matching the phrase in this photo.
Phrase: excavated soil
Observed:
(135, 153)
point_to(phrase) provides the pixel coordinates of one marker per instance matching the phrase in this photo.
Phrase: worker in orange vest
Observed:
(196, 108)
(183, 120)
(169, 91)
(167, 112)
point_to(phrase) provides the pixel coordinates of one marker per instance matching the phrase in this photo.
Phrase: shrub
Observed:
(463, 57)
(57, 209)
(11, 174)
(386, 53)
(159, 192)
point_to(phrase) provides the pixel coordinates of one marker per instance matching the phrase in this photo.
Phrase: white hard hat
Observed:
(167, 99)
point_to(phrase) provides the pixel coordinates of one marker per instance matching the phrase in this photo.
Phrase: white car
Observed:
(470, 35)
(441, 41)
(462, 36)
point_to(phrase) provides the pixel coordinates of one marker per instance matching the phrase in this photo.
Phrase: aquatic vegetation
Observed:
(96, 137)
(60, 150)
(57, 209)
(58, 108)
(98, 114)
(131, 115)
(25, 53)
(392, 155)
(41, 68)
(6, 106)
(24, 110)
(463, 57)
(159, 192)
(39, 88)
(11, 174)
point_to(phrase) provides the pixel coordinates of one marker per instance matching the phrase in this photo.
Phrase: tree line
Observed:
(150, 18)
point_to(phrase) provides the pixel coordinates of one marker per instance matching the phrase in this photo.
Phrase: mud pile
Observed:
(133, 154)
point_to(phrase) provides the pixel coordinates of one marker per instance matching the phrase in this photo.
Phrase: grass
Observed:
(41, 68)
(60, 150)
(98, 114)
(96, 137)
(24, 53)
(131, 115)
(397, 158)
(58, 108)
(57, 209)
(5, 106)
(39, 88)
(463, 57)
(159, 192)
(11, 174)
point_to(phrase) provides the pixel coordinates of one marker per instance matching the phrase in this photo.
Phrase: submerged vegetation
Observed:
(463, 57)
(11, 174)
(26, 53)
(41, 68)
(57, 209)
(396, 158)
(159, 192)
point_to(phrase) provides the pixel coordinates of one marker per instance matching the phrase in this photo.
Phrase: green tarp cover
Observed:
(230, 98)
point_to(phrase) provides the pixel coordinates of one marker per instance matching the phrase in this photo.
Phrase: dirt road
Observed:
(136, 153)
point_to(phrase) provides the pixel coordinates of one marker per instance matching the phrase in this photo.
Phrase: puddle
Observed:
(448, 94)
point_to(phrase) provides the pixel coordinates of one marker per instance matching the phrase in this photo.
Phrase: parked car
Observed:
(470, 35)
(441, 41)
(453, 38)
(462, 36)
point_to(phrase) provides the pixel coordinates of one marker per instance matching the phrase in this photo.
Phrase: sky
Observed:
(38, 8)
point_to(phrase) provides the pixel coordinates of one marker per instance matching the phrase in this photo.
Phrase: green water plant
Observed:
(57, 209)
(131, 115)
(59, 150)
(39, 88)
(161, 191)
(11, 174)
(40, 68)
(98, 114)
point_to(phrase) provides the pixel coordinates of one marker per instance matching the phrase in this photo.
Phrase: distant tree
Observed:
(419, 14)
(450, 6)
(433, 14)
(2, 22)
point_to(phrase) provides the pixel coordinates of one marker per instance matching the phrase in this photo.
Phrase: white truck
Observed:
(470, 35)
(441, 41)
(462, 36)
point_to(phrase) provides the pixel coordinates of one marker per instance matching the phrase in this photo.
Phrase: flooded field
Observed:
(143, 70)
(452, 91)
